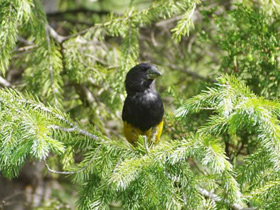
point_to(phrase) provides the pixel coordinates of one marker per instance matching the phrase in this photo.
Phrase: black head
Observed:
(141, 77)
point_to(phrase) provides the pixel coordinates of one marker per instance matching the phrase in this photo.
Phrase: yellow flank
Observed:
(153, 134)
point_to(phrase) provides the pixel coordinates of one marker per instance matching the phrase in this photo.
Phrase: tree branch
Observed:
(26, 48)
(74, 128)
(167, 21)
(77, 171)
(58, 38)
(21, 39)
(51, 67)
(78, 130)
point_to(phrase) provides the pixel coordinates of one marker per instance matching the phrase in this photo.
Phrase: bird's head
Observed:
(141, 77)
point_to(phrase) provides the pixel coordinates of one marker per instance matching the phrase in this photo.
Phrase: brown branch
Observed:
(60, 39)
(85, 94)
(167, 21)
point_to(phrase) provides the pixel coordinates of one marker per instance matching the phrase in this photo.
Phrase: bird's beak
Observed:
(153, 73)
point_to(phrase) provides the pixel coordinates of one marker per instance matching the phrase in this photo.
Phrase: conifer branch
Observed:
(78, 130)
(76, 171)
(58, 172)
(74, 128)
(54, 91)
(131, 15)
(61, 39)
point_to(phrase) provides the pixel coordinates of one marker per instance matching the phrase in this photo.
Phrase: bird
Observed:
(143, 109)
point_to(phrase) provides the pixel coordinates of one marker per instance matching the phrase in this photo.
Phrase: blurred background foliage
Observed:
(73, 55)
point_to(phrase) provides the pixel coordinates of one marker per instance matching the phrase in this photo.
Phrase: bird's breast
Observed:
(143, 110)
(148, 97)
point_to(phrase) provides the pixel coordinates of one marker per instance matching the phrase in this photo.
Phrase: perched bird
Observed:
(143, 109)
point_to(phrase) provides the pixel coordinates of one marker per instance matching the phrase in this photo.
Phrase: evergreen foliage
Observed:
(251, 47)
(221, 150)
(234, 109)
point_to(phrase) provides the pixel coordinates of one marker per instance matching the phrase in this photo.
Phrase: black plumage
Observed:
(143, 107)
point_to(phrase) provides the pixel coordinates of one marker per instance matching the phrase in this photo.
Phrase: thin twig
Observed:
(12, 196)
(78, 130)
(4, 203)
(170, 20)
(21, 39)
(74, 172)
(26, 48)
(60, 39)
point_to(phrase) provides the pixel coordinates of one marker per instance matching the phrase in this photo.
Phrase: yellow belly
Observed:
(153, 134)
